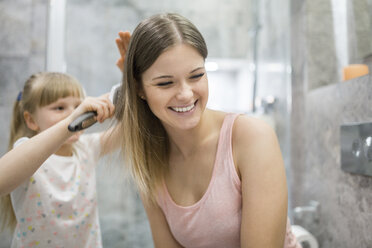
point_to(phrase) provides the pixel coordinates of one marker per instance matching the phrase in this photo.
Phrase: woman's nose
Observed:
(184, 91)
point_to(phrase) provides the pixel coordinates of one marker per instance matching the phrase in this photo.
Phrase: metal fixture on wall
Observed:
(356, 148)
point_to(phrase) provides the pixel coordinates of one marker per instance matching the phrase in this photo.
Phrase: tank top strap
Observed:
(224, 158)
(228, 123)
(224, 143)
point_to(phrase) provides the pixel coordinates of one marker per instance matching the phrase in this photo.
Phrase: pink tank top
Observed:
(214, 221)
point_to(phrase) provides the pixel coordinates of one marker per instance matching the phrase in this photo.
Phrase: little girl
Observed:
(47, 179)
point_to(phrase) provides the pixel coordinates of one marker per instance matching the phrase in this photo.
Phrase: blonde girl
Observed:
(47, 179)
(207, 178)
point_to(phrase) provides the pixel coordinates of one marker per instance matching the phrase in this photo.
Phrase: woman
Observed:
(206, 178)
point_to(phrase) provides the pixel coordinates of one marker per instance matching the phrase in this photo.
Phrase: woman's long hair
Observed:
(145, 144)
(40, 89)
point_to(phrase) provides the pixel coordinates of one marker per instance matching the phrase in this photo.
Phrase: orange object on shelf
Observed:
(354, 70)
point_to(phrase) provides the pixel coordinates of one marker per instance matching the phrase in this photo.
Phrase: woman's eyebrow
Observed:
(163, 76)
(202, 67)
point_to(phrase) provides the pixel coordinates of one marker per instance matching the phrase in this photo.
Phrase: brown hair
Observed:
(40, 89)
(145, 142)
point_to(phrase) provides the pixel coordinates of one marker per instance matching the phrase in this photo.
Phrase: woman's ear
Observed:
(30, 122)
(141, 94)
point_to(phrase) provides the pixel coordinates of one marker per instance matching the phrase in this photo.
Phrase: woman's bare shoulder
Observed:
(251, 128)
(252, 138)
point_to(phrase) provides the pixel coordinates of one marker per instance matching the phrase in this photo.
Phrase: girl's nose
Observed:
(184, 91)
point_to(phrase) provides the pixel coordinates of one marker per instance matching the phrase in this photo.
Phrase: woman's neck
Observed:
(187, 142)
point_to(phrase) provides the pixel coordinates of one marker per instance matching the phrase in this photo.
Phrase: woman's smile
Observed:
(184, 109)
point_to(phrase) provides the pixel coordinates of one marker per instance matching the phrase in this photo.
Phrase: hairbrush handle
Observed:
(83, 121)
(87, 119)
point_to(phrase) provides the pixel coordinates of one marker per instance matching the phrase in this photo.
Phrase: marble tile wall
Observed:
(321, 52)
(344, 198)
(22, 52)
(359, 30)
(317, 113)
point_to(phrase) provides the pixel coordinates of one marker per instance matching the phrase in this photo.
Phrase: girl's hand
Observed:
(122, 43)
(101, 105)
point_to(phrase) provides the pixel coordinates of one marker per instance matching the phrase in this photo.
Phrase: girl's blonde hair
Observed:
(40, 89)
(145, 144)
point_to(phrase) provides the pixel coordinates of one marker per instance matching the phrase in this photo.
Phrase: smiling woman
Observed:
(177, 95)
(206, 178)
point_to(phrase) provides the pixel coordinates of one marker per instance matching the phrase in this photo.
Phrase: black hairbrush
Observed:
(88, 119)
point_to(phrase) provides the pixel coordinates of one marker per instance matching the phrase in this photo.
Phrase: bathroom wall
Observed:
(223, 23)
(22, 51)
(359, 26)
(320, 104)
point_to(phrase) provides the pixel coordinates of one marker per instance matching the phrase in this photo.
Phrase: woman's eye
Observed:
(197, 76)
(164, 84)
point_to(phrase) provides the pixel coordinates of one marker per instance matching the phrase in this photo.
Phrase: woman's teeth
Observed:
(185, 109)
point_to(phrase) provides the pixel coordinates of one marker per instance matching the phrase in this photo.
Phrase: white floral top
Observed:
(57, 206)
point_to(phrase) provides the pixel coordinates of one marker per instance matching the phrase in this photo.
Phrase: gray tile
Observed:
(15, 26)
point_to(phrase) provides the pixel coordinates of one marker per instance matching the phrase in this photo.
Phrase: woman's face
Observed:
(176, 87)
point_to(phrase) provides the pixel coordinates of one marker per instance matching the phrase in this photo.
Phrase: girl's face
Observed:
(176, 87)
(46, 116)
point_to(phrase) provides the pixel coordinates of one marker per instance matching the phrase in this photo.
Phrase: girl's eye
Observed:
(164, 83)
(59, 108)
(197, 76)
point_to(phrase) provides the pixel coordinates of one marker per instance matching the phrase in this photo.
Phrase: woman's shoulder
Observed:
(246, 128)
(252, 126)
(252, 137)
